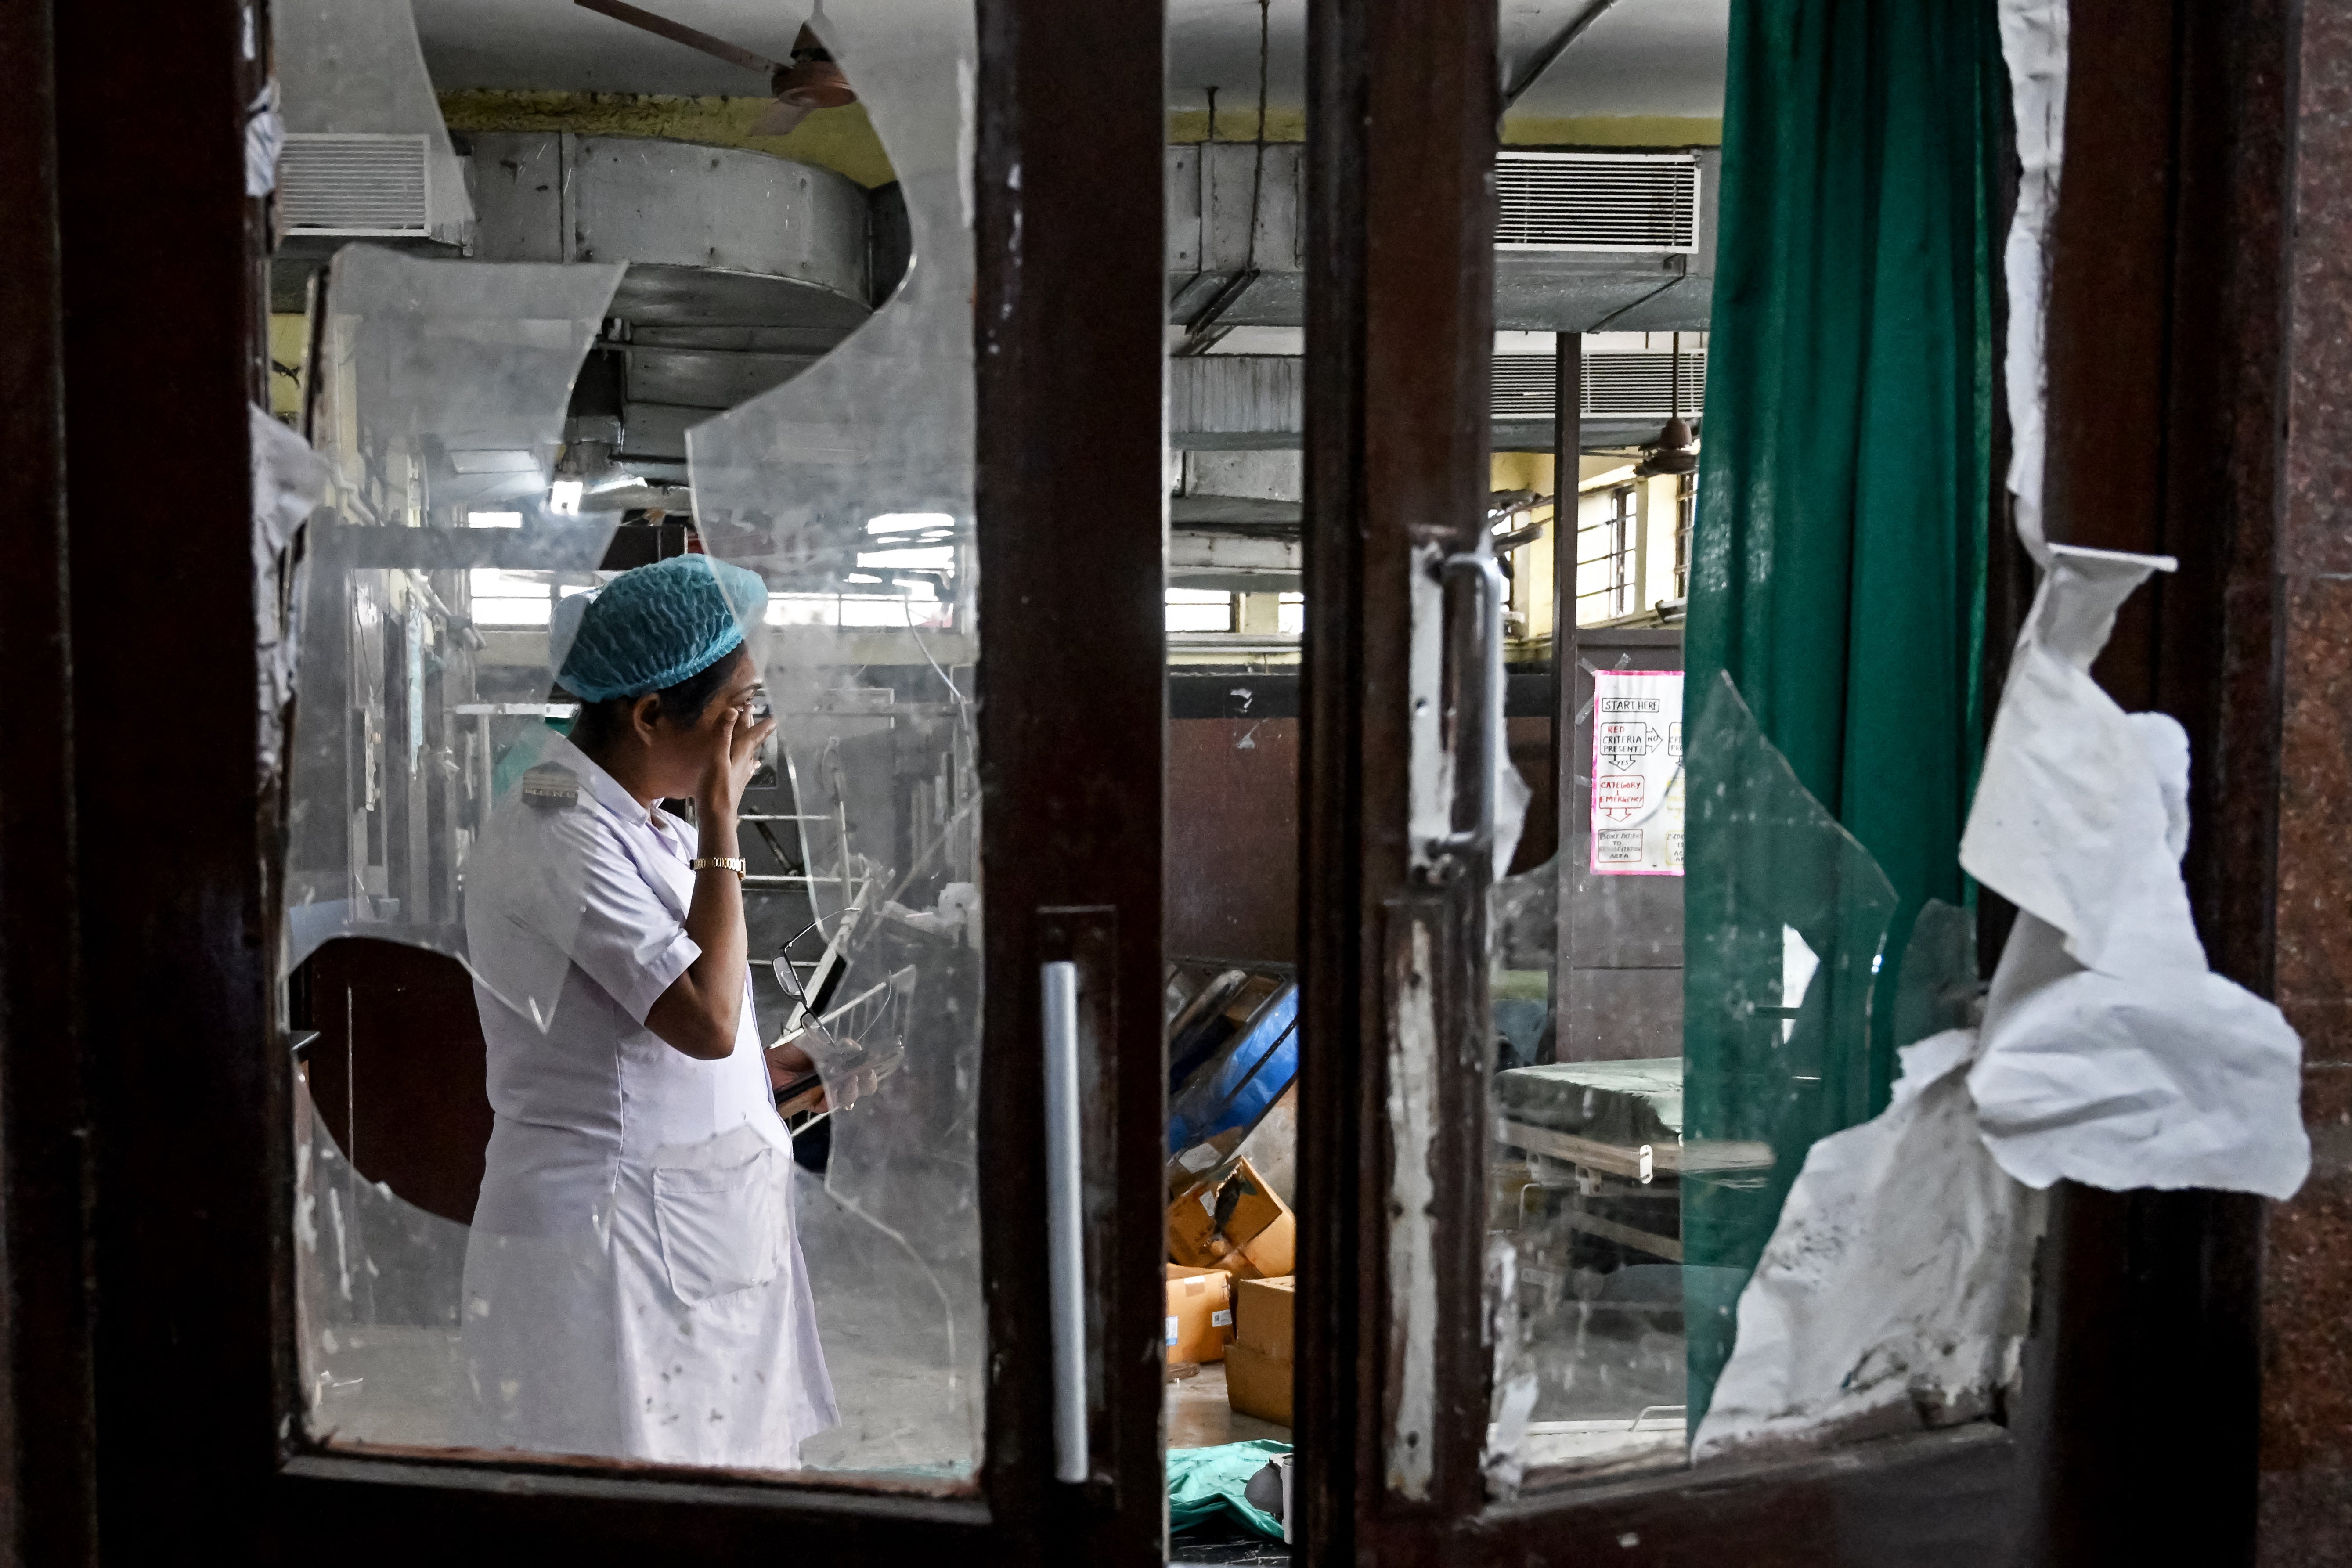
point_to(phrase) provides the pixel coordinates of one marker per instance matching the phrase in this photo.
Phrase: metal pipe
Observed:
(1568, 449)
(1064, 1222)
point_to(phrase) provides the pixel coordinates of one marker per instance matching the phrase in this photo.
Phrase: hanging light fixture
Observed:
(1671, 452)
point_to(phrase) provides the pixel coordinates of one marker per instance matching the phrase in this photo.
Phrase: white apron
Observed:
(633, 1279)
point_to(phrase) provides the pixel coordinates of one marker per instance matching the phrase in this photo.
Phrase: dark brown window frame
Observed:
(148, 1380)
(145, 1254)
(2164, 344)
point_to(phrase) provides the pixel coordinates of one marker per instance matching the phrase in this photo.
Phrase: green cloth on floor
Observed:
(1836, 617)
(1204, 1481)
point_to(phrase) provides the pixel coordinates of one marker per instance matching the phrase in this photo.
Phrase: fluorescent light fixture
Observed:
(906, 522)
(494, 520)
(941, 556)
(861, 577)
(563, 496)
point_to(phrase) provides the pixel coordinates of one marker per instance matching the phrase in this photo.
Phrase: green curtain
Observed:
(1836, 615)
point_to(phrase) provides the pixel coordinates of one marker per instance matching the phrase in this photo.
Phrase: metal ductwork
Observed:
(1586, 241)
(1627, 395)
(366, 155)
(1622, 203)
(743, 269)
(1236, 401)
(1221, 402)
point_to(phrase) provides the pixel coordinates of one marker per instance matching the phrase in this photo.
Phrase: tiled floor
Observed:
(1199, 1418)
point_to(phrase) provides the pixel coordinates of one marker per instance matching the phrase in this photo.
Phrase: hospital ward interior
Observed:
(570, 296)
(592, 284)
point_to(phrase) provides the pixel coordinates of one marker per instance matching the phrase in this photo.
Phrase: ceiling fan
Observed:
(810, 81)
(1671, 453)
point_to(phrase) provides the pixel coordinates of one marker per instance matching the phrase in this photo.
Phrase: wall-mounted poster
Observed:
(1637, 772)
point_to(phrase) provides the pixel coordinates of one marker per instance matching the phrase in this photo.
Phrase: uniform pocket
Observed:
(722, 1228)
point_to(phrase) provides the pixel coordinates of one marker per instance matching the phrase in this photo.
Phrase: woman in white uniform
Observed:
(634, 1280)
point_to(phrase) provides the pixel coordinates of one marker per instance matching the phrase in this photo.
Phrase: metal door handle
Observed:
(1478, 676)
(1064, 1221)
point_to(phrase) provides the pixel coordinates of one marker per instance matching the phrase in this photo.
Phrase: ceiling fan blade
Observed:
(680, 33)
(778, 119)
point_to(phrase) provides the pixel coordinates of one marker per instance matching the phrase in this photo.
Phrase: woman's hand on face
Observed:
(733, 758)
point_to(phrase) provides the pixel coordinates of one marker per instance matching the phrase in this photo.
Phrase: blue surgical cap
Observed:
(652, 627)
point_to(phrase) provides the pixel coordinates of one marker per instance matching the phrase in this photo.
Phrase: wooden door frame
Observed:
(2165, 345)
(45, 1166)
(144, 1082)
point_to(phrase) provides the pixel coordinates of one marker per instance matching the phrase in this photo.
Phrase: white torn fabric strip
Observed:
(1893, 1292)
(2113, 1055)
(1892, 1296)
(2033, 39)
(265, 139)
(288, 480)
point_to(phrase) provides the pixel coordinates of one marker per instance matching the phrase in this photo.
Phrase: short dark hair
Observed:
(682, 704)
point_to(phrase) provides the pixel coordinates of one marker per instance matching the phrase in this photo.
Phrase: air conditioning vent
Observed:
(1597, 201)
(349, 184)
(1616, 385)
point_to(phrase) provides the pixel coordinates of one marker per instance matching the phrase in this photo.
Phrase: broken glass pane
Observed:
(429, 723)
(440, 393)
(1630, 1196)
(849, 489)
(1781, 974)
(440, 388)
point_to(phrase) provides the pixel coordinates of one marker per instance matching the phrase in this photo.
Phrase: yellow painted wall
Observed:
(842, 140)
(1522, 471)
(1609, 131)
(289, 351)
(1658, 519)
(1599, 478)
(1531, 589)
(1186, 126)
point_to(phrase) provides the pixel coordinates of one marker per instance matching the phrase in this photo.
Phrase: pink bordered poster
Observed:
(1637, 772)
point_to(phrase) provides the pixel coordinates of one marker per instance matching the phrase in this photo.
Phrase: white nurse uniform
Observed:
(634, 1280)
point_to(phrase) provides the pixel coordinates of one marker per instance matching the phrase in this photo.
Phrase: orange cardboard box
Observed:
(1199, 1313)
(1263, 1316)
(1258, 1238)
(1257, 1384)
(1270, 1254)
(1258, 1363)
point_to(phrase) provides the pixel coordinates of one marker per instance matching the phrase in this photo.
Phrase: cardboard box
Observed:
(1200, 1314)
(1258, 1363)
(1257, 1384)
(1235, 1224)
(1263, 1316)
